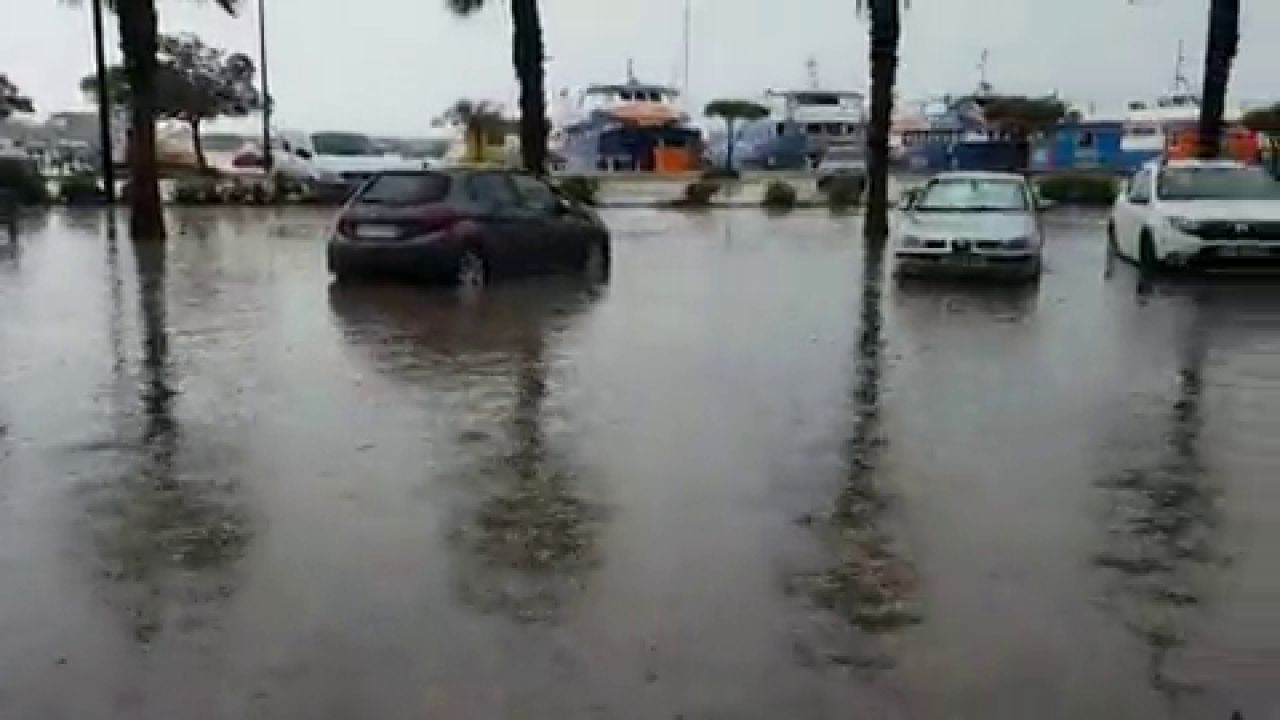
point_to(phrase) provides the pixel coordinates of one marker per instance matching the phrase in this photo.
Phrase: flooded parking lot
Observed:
(732, 483)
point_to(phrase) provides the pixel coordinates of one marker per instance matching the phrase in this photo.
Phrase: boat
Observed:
(801, 126)
(630, 126)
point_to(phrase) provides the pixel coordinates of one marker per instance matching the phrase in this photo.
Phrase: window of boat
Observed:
(824, 99)
(973, 195)
(406, 189)
(1213, 182)
(834, 129)
(343, 144)
(813, 128)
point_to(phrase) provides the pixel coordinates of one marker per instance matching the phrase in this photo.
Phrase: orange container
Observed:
(671, 160)
(1238, 143)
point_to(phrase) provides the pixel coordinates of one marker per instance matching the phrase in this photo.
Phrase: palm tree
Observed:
(732, 111)
(527, 57)
(886, 29)
(1220, 54)
(11, 99)
(482, 123)
(139, 42)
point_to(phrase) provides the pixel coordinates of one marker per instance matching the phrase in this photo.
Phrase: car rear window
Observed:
(414, 189)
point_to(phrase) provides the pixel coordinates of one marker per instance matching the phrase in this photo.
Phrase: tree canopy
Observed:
(1025, 115)
(735, 109)
(12, 100)
(1264, 119)
(194, 83)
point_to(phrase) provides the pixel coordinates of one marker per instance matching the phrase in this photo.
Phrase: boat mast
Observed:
(1181, 84)
(688, 42)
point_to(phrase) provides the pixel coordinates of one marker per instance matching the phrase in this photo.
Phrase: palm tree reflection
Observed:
(165, 520)
(1163, 529)
(871, 585)
(527, 535)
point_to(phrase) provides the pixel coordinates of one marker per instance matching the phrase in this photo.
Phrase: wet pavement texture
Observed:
(747, 479)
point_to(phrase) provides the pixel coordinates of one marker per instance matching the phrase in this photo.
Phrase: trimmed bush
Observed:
(22, 181)
(580, 189)
(1078, 189)
(844, 192)
(81, 189)
(698, 194)
(779, 195)
(196, 191)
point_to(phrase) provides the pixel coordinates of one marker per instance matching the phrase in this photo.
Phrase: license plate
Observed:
(379, 232)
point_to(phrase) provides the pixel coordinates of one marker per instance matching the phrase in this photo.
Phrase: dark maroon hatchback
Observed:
(466, 227)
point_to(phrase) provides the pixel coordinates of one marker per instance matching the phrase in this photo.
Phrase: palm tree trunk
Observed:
(197, 145)
(886, 28)
(138, 28)
(728, 160)
(527, 56)
(1220, 53)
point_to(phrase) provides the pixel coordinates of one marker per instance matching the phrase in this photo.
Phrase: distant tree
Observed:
(194, 83)
(12, 100)
(1023, 118)
(139, 38)
(527, 56)
(731, 111)
(482, 125)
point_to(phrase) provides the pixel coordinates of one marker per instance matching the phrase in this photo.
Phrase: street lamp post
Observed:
(104, 105)
(266, 91)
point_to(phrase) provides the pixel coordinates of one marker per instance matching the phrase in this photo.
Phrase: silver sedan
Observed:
(970, 223)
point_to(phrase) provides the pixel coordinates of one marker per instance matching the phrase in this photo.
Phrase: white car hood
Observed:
(977, 225)
(1229, 210)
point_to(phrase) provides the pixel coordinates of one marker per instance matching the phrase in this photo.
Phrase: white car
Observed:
(1198, 213)
(334, 163)
(970, 223)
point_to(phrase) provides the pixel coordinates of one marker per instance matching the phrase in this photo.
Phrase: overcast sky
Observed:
(388, 66)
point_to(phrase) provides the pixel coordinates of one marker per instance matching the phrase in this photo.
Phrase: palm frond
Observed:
(465, 7)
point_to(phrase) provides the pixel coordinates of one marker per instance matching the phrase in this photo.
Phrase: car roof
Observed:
(1224, 163)
(976, 175)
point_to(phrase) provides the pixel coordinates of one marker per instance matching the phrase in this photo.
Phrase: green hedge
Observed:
(844, 192)
(1078, 189)
(580, 189)
(698, 194)
(779, 195)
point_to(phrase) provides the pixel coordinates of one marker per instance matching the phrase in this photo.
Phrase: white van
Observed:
(333, 163)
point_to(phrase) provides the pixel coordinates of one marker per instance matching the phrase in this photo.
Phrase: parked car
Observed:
(1198, 214)
(465, 226)
(971, 222)
(333, 164)
(842, 162)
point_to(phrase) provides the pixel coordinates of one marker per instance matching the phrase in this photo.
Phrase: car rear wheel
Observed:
(473, 271)
(596, 265)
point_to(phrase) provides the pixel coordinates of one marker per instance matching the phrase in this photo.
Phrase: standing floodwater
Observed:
(751, 477)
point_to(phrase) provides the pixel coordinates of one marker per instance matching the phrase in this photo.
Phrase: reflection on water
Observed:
(162, 504)
(871, 585)
(527, 537)
(1163, 531)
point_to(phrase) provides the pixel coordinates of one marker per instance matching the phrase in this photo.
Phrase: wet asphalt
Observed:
(745, 479)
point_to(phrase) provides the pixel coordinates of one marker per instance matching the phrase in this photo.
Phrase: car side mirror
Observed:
(303, 153)
(908, 198)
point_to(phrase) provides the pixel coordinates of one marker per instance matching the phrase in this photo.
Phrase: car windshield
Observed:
(1217, 183)
(400, 190)
(348, 144)
(221, 142)
(972, 195)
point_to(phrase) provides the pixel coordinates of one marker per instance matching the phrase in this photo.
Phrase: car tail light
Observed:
(439, 217)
